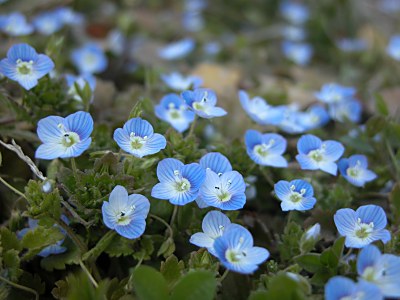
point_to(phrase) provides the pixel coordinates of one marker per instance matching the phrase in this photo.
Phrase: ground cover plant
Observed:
(199, 149)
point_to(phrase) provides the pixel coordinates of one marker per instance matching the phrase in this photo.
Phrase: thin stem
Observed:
(394, 159)
(82, 247)
(267, 176)
(20, 287)
(171, 232)
(139, 262)
(192, 127)
(13, 188)
(224, 275)
(174, 213)
(83, 267)
(75, 214)
(74, 169)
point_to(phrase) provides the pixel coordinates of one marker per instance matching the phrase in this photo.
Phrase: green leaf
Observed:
(282, 286)
(258, 295)
(121, 247)
(101, 245)
(196, 285)
(42, 204)
(375, 125)
(80, 287)
(381, 106)
(309, 262)
(394, 198)
(167, 248)
(149, 284)
(146, 248)
(60, 261)
(172, 269)
(136, 110)
(11, 262)
(9, 240)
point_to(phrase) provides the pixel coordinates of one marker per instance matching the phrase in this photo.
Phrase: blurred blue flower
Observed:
(297, 194)
(116, 42)
(138, 138)
(179, 183)
(259, 111)
(192, 21)
(291, 121)
(25, 66)
(15, 24)
(174, 110)
(212, 48)
(389, 6)
(316, 116)
(363, 226)
(347, 110)
(48, 23)
(236, 252)
(313, 233)
(382, 270)
(342, 288)
(177, 50)
(90, 58)
(203, 102)
(295, 12)
(64, 137)
(68, 16)
(354, 170)
(315, 154)
(81, 81)
(352, 44)
(178, 82)
(266, 149)
(293, 33)
(331, 93)
(393, 48)
(299, 53)
(213, 225)
(126, 214)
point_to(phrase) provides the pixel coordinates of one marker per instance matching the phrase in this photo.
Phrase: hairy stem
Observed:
(13, 188)
(20, 287)
(171, 232)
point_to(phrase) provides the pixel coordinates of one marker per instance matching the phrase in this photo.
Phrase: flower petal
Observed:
(345, 220)
(372, 213)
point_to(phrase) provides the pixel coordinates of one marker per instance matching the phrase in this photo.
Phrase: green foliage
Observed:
(146, 248)
(289, 245)
(395, 202)
(101, 245)
(196, 285)
(120, 246)
(60, 261)
(172, 269)
(201, 259)
(149, 284)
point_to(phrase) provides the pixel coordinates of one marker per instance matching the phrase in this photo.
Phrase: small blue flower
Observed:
(294, 33)
(331, 93)
(90, 58)
(81, 82)
(15, 24)
(389, 6)
(382, 270)
(177, 50)
(212, 48)
(138, 138)
(315, 117)
(179, 183)
(48, 23)
(295, 195)
(203, 102)
(295, 12)
(393, 48)
(174, 110)
(266, 149)
(213, 225)
(259, 111)
(315, 154)
(64, 137)
(235, 250)
(116, 42)
(350, 45)
(342, 288)
(348, 110)
(299, 53)
(225, 191)
(192, 21)
(291, 122)
(363, 226)
(126, 214)
(25, 66)
(178, 82)
(354, 170)
(68, 16)
(216, 162)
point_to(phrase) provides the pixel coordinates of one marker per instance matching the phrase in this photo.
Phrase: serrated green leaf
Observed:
(9, 240)
(309, 262)
(172, 269)
(146, 248)
(196, 285)
(120, 247)
(42, 204)
(149, 284)
(11, 262)
(60, 261)
(167, 248)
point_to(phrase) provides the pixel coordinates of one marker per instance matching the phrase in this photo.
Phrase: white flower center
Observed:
(175, 113)
(222, 192)
(318, 154)
(363, 230)
(24, 67)
(263, 149)
(296, 196)
(235, 255)
(137, 142)
(200, 105)
(125, 216)
(69, 138)
(354, 171)
(181, 184)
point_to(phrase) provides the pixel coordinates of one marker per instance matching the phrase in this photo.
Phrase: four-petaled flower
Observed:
(203, 102)
(266, 149)
(90, 58)
(138, 138)
(295, 195)
(342, 288)
(213, 225)
(354, 170)
(363, 226)
(315, 154)
(179, 183)
(25, 66)
(332, 93)
(64, 137)
(236, 252)
(126, 214)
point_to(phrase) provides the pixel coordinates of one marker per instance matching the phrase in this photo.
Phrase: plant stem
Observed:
(394, 159)
(267, 176)
(171, 232)
(174, 213)
(12, 188)
(20, 287)
(82, 247)
(74, 169)
(192, 127)
(88, 274)
(224, 275)
(139, 262)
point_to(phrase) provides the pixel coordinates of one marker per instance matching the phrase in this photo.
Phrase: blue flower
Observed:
(64, 137)
(294, 33)
(68, 16)
(225, 191)
(174, 110)
(177, 50)
(295, 12)
(291, 122)
(179, 183)
(354, 170)
(15, 24)
(352, 45)
(266, 149)
(235, 250)
(81, 82)
(258, 110)
(315, 117)
(177, 81)
(90, 58)
(382, 270)
(295, 195)
(48, 23)
(341, 288)
(363, 226)
(313, 233)
(348, 110)
(393, 48)
(315, 154)
(216, 162)
(331, 93)
(126, 214)
(299, 53)
(138, 138)
(213, 225)
(25, 66)
(203, 102)
(116, 42)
